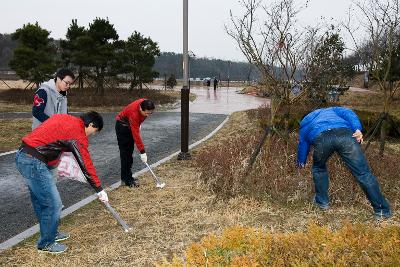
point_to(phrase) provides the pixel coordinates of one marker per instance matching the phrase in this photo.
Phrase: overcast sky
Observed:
(161, 20)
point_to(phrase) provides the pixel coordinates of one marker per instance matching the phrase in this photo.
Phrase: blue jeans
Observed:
(45, 197)
(340, 140)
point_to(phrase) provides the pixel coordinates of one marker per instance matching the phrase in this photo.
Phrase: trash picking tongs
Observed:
(159, 184)
(118, 217)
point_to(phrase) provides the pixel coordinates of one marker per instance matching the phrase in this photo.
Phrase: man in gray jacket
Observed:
(51, 97)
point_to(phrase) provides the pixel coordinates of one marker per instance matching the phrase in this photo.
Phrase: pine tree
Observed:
(34, 59)
(96, 50)
(71, 54)
(139, 58)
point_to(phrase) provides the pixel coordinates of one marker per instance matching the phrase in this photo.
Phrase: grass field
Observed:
(165, 222)
(11, 132)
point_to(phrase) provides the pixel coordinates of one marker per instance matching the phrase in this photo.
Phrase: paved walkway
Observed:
(161, 134)
(222, 101)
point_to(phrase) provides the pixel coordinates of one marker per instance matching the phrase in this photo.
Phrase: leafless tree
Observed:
(268, 37)
(375, 35)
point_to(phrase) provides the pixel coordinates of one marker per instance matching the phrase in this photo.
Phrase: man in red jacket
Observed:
(40, 152)
(127, 128)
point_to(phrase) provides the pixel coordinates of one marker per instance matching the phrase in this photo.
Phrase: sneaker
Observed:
(379, 217)
(55, 248)
(323, 207)
(61, 236)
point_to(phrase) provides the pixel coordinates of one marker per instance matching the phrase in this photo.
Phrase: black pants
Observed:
(126, 147)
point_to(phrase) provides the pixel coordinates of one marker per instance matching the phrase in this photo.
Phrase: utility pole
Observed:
(191, 57)
(184, 154)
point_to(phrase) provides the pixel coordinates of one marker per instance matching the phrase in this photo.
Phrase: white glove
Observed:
(143, 157)
(103, 196)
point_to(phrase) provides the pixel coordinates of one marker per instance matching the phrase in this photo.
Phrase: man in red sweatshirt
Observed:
(40, 152)
(127, 128)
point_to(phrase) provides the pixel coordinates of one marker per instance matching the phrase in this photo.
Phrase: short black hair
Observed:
(93, 117)
(62, 73)
(147, 105)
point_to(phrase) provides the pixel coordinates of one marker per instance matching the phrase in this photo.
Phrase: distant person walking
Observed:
(51, 97)
(338, 129)
(127, 129)
(215, 83)
(42, 149)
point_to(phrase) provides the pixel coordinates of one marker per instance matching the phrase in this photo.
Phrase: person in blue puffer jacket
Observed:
(338, 129)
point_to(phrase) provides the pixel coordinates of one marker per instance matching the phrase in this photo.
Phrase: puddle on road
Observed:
(222, 101)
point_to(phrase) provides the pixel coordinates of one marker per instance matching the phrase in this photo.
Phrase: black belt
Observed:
(123, 122)
(32, 151)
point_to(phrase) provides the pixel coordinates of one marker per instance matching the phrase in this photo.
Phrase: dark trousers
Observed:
(126, 147)
(341, 141)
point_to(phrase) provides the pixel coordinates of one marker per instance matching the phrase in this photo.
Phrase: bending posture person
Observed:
(127, 128)
(338, 129)
(40, 150)
(51, 97)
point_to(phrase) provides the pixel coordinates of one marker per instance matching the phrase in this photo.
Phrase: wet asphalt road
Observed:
(161, 136)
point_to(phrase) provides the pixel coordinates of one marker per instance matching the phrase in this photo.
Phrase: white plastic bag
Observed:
(68, 168)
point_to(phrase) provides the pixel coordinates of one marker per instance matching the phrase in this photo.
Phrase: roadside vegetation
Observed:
(370, 101)
(346, 235)
(208, 214)
(86, 98)
(224, 168)
(352, 245)
(11, 132)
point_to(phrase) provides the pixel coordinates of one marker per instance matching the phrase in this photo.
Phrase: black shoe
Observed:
(132, 183)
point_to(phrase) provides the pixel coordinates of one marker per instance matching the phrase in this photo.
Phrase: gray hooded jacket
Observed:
(47, 102)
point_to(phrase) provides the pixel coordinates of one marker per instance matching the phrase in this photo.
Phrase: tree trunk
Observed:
(383, 138)
(80, 78)
(100, 82)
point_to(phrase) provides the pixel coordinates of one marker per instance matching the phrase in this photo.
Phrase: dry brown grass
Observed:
(372, 101)
(15, 107)
(11, 132)
(6, 84)
(166, 221)
(21, 101)
(352, 245)
(223, 162)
